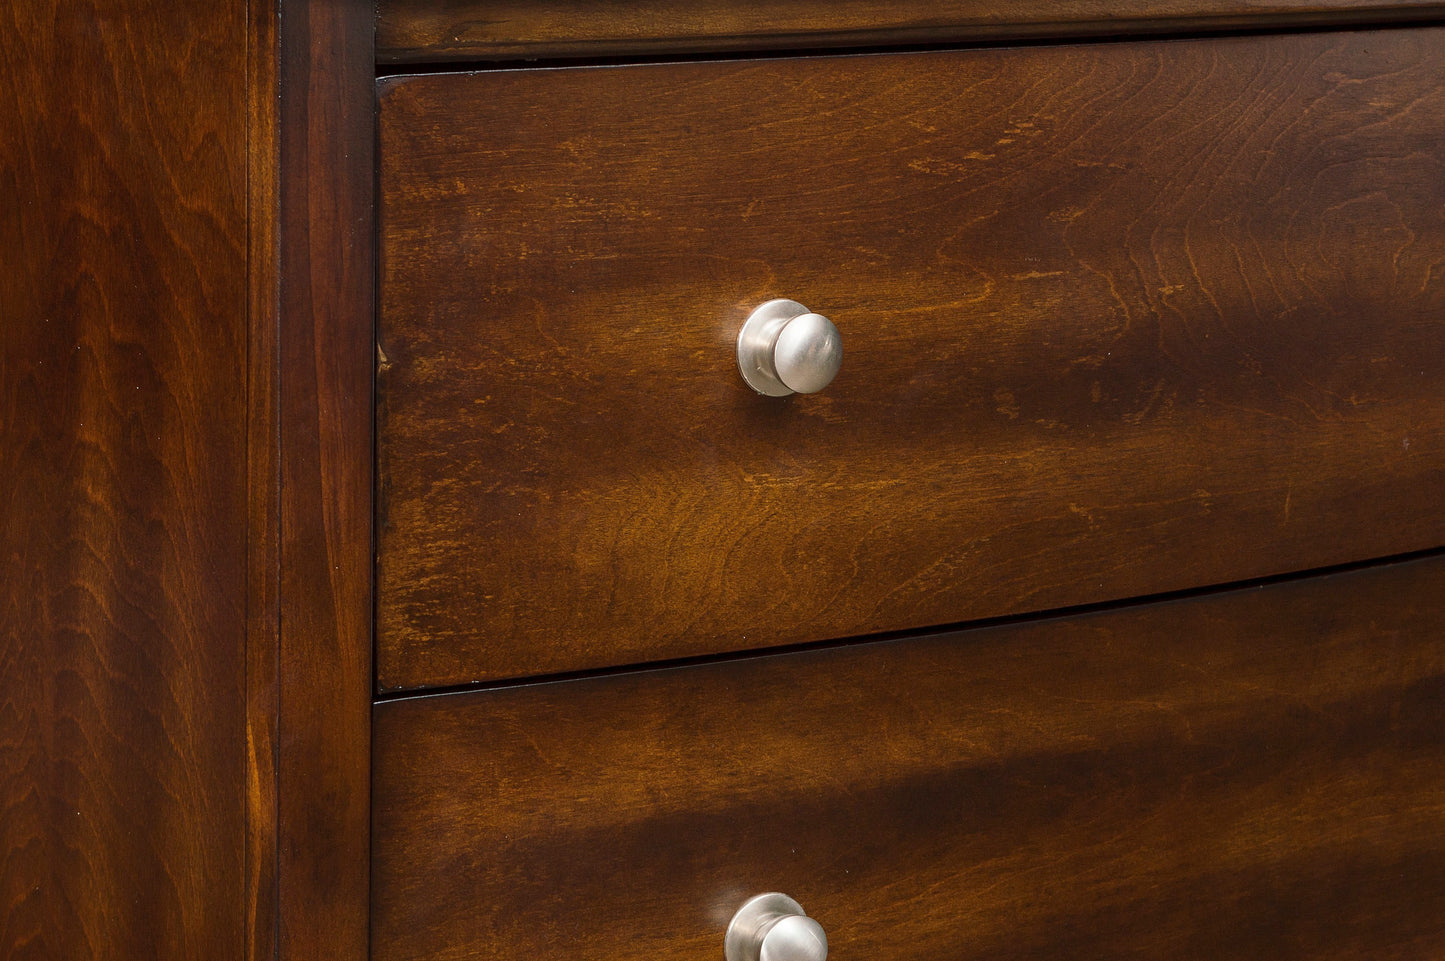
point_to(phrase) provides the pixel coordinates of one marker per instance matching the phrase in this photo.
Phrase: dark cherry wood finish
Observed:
(123, 333)
(185, 479)
(1257, 774)
(419, 31)
(263, 611)
(1118, 319)
(325, 357)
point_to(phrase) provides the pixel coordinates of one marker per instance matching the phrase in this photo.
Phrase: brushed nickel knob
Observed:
(784, 348)
(773, 927)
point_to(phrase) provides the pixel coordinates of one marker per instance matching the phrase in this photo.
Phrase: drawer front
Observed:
(1254, 774)
(1117, 319)
(412, 31)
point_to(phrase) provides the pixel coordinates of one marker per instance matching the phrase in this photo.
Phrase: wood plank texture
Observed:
(1251, 775)
(123, 305)
(1118, 319)
(420, 31)
(263, 482)
(325, 349)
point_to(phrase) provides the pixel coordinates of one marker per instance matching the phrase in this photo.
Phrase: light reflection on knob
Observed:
(784, 348)
(773, 927)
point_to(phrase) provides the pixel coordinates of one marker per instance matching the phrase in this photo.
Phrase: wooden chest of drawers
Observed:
(1119, 319)
(400, 567)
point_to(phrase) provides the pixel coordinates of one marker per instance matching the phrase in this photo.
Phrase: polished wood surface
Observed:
(418, 31)
(325, 351)
(1117, 319)
(1255, 774)
(123, 535)
(186, 480)
(263, 488)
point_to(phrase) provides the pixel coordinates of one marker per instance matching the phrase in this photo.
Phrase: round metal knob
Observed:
(773, 927)
(784, 348)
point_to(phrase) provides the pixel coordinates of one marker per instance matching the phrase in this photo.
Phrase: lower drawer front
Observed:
(1254, 774)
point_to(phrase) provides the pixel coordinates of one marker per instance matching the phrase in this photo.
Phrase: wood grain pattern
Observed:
(263, 485)
(420, 31)
(326, 347)
(1257, 774)
(1118, 319)
(123, 300)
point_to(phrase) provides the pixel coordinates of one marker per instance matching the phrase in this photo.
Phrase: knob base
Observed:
(755, 346)
(753, 921)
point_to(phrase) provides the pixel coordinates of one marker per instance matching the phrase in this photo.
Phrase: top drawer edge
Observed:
(442, 31)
